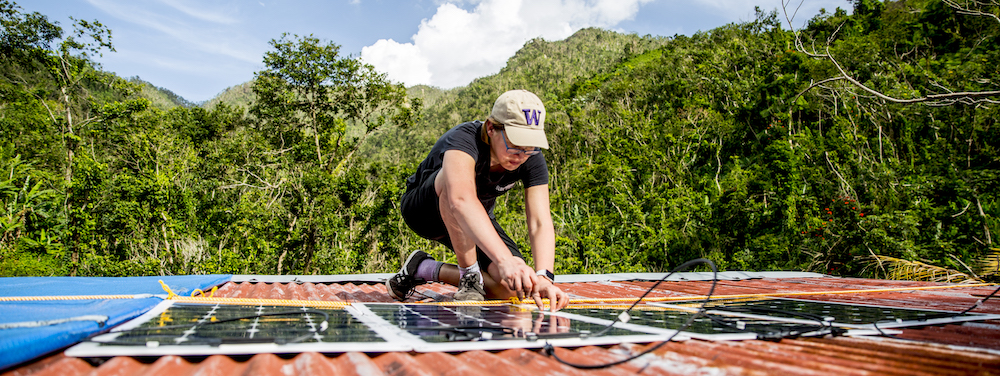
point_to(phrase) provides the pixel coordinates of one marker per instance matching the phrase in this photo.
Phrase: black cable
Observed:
(550, 350)
(786, 331)
(798, 330)
(463, 333)
(887, 335)
(979, 303)
(967, 310)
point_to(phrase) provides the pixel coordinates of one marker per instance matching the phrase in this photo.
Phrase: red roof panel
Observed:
(970, 348)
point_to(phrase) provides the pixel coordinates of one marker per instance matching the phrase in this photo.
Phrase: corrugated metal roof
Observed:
(562, 278)
(970, 348)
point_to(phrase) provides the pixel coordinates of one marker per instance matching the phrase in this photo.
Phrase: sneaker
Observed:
(469, 288)
(401, 285)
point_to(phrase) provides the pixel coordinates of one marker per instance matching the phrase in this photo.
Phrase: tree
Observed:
(22, 34)
(918, 86)
(316, 107)
(27, 42)
(911, 85)
(309, 91)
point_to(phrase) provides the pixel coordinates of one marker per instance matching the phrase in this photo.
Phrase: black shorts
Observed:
(422, 213)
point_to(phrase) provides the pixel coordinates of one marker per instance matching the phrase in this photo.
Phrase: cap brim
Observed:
(532, 138)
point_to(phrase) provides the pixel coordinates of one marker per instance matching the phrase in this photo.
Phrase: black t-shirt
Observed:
(489, 185)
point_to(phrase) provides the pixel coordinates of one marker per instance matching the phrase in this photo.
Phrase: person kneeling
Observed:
(450, 199)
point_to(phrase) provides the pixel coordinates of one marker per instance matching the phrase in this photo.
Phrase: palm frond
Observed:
(989, 265)
(907, 270)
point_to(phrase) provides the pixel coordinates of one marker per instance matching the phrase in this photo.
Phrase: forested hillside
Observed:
(161, 98)
(240, 96)
(757, 147)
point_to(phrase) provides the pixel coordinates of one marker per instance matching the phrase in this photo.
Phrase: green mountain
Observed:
(543, 67)
(161, 98)
(240, 95)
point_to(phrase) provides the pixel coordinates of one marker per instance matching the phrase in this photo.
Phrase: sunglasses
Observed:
(515, 151)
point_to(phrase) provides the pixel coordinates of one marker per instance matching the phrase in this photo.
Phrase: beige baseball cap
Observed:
(523, 117)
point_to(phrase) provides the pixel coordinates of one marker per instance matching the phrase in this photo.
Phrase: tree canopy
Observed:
(756, 145)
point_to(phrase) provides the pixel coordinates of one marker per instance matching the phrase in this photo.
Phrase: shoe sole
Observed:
(388, 289)
(402, 269)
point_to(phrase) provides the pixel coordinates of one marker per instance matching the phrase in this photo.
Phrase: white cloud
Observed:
(456, 46)
(457, 2)
(401, 62)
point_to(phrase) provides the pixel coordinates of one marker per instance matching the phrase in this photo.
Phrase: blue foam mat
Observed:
(18, 345)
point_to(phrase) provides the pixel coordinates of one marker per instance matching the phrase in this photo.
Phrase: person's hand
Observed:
(517, 276)
(557, 298)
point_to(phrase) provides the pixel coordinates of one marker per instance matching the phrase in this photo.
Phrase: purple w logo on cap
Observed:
(531, 116)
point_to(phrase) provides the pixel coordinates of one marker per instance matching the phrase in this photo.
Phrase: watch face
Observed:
(547, 274)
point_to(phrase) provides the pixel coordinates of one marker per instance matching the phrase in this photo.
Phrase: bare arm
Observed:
(540, 230)
(543, 243)
(456, 187)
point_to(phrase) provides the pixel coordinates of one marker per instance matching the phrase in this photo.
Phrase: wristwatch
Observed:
(547, 275)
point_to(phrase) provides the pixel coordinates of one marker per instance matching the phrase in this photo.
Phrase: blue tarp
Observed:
(34, 328)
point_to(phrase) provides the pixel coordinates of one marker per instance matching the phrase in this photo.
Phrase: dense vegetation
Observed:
(758, 147)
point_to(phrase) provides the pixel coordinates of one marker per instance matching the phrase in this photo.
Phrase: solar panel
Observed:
(205, 329)
(472, 327)
(708, 327)
(451, 323)
(194, 324)
(844, 315)
(199, 329)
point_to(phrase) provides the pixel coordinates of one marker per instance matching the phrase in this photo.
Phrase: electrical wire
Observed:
(465, 333)
(825, 327)
(979, 303)
(550, 350)
(967, 310)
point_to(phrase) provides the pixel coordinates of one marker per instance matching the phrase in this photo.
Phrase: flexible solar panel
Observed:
(205, 329)
(463, 328)
(198, 329)
(707, 327)
(436, 323)
(192, 325)
(843, 315)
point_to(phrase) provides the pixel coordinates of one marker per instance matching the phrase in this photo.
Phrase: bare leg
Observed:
(463, 245)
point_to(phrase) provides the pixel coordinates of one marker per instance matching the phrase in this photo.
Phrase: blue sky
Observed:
(198, 48)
